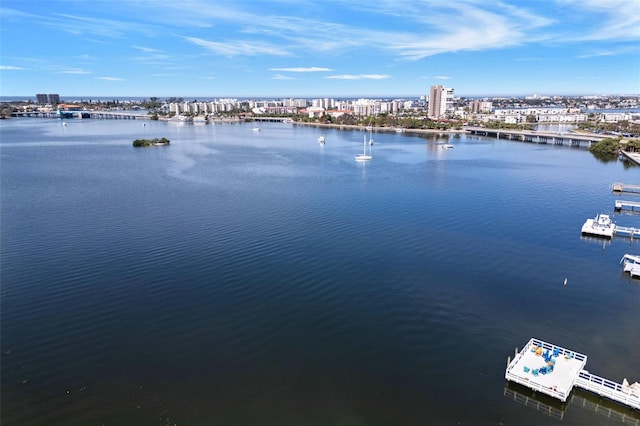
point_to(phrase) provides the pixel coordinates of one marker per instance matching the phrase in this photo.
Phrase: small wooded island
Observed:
(151, 142)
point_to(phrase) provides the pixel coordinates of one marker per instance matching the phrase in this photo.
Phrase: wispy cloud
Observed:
(359, 76)
(281, 77)
(442, 77)
(493, 27)
(146, 49)
(596, 55)
(10, 67)
(238, 48)
(81, 25)
(606, 20)
(302, 69)
(74, 71)
(111, 78)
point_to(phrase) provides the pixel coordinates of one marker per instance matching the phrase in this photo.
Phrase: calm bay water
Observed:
(244, 278)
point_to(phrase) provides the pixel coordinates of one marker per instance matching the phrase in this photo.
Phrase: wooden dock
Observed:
(554, 370)
(625, 187)
(634, 157)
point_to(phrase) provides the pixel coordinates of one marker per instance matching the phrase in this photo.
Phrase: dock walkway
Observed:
(554, 370)
(625, 187)
(628, 205)
(634, 157)
(607, 388)
(627, 231)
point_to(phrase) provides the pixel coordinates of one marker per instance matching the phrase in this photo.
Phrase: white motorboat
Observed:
(363, 156)
(181, 119)
(321, 139)
(256, 129)
(447, 146)
(601, 226)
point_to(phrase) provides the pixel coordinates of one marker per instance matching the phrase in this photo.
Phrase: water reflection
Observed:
(615, 413)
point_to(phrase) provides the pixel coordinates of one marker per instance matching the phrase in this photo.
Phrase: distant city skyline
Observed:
(306, 49)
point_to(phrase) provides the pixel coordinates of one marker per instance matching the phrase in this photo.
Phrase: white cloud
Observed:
(442, 77)
(606, 19)
(74, 71)
(359, 76)
(281, 77)
(111, 78)
(146, 49)
(237, 48)
(301, 69)
(596, 55)
(10, 67)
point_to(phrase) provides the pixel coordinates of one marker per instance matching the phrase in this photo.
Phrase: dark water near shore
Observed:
(258, 278)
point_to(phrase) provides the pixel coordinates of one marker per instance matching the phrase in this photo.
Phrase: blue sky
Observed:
(318, 48)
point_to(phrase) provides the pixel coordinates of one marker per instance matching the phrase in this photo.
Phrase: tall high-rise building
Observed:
(54, 98)
(440, 101)
(41, 98)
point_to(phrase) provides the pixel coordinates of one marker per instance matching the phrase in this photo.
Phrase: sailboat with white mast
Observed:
(363, 156)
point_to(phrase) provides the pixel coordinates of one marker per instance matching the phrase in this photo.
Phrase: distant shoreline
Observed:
(385, 129)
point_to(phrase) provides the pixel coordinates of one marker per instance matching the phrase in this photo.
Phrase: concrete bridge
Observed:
(263, 118)
(532, 136)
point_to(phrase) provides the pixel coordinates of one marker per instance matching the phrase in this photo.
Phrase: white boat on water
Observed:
(256, 129)
(447, 146)
(181, 119)
(601, 226)
(363, 156)
(321, 139)
(399, 130)
(631, 264)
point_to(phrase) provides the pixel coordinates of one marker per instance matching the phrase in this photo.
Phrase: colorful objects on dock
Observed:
(554, 370)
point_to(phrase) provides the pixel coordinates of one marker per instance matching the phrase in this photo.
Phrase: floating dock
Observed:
(631, 264)
(625, 187)
(627, 205)
(554, 370)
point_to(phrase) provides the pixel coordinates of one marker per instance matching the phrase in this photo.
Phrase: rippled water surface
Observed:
(257, 278)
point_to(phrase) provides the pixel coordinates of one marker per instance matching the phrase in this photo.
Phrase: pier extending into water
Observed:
(625, 187)
(554, 370)
(627, 205)
(627, 231)
(634, 157)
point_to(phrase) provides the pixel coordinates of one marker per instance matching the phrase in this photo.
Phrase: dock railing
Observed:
(556, 393)
(607, 388)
